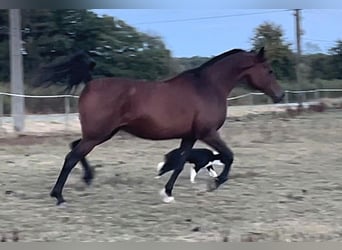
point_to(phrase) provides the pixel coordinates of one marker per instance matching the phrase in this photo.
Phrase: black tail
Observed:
(70, 71)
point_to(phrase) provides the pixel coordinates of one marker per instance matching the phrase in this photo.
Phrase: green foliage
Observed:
(270, 36)
(186, 63)
(4, 46)
(122, 51)
(325, 66)
(320, 66)
(119, 49)
(336, 60)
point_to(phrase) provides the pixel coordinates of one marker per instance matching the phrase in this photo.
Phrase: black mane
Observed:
(213, 60)
(219, 57)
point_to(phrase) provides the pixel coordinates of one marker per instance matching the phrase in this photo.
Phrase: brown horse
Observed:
(191, 106)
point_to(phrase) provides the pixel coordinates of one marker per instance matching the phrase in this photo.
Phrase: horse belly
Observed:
(162, 113)
(159, 129)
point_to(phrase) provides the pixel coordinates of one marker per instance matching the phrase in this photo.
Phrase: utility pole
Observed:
(17, 85)
(297, 15)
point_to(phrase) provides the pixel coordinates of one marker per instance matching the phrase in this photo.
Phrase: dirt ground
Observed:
(285, 185)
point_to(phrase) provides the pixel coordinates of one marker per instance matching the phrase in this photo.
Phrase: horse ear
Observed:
(261, 54)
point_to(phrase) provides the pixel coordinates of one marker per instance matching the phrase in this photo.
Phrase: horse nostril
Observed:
(282, 96)
(278, 99)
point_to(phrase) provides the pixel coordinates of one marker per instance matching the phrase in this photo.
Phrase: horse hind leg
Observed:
(71, 159)
(88, 175)
(81, 149)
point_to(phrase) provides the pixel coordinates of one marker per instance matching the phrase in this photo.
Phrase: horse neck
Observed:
(224, 75)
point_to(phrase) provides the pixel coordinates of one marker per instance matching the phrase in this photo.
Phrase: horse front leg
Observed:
(214, 140)
(179, 161)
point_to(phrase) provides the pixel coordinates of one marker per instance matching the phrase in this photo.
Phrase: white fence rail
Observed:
(308, 95)
(317, 94)
(230, 98)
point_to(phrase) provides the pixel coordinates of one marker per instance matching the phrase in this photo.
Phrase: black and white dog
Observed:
(200, 157)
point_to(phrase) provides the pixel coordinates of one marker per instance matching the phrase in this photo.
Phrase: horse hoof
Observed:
(169, 199)
(212, 185)
(88, 178)
(165, 197)
(87, 181)
(61, 204)
(58, 196)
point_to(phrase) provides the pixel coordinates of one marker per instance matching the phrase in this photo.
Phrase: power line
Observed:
(210, 17)
(319, 40)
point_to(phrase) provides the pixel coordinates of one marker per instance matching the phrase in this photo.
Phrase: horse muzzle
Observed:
(279, 98)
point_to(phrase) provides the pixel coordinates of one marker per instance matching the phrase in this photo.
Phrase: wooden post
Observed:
(299, 52)
(1, 110)
(67, 111)
(251, 99)
(286, 97)
(17, 83)
(303, 96)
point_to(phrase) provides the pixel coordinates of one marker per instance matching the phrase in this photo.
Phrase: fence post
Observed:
(1, 110)
(317, 94)
(67, 111)
(324, 93)
(269, 101)
(303, 92)
(286, 97)
(251, 99)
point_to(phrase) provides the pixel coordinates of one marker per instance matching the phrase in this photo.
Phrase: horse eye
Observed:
(271, 71)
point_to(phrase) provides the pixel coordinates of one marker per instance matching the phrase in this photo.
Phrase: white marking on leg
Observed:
(62, 205)
(212, 173)
(218, 163)
(208, 164)
(165, 197)
(192, 174)
(160, 165)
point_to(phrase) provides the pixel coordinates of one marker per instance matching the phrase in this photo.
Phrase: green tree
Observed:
(336, 60)
(4, 46)
(119, 49)
(320, 66)
(270, 36)
(186, 63)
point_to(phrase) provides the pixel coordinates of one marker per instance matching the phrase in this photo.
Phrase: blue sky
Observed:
(213, 34)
